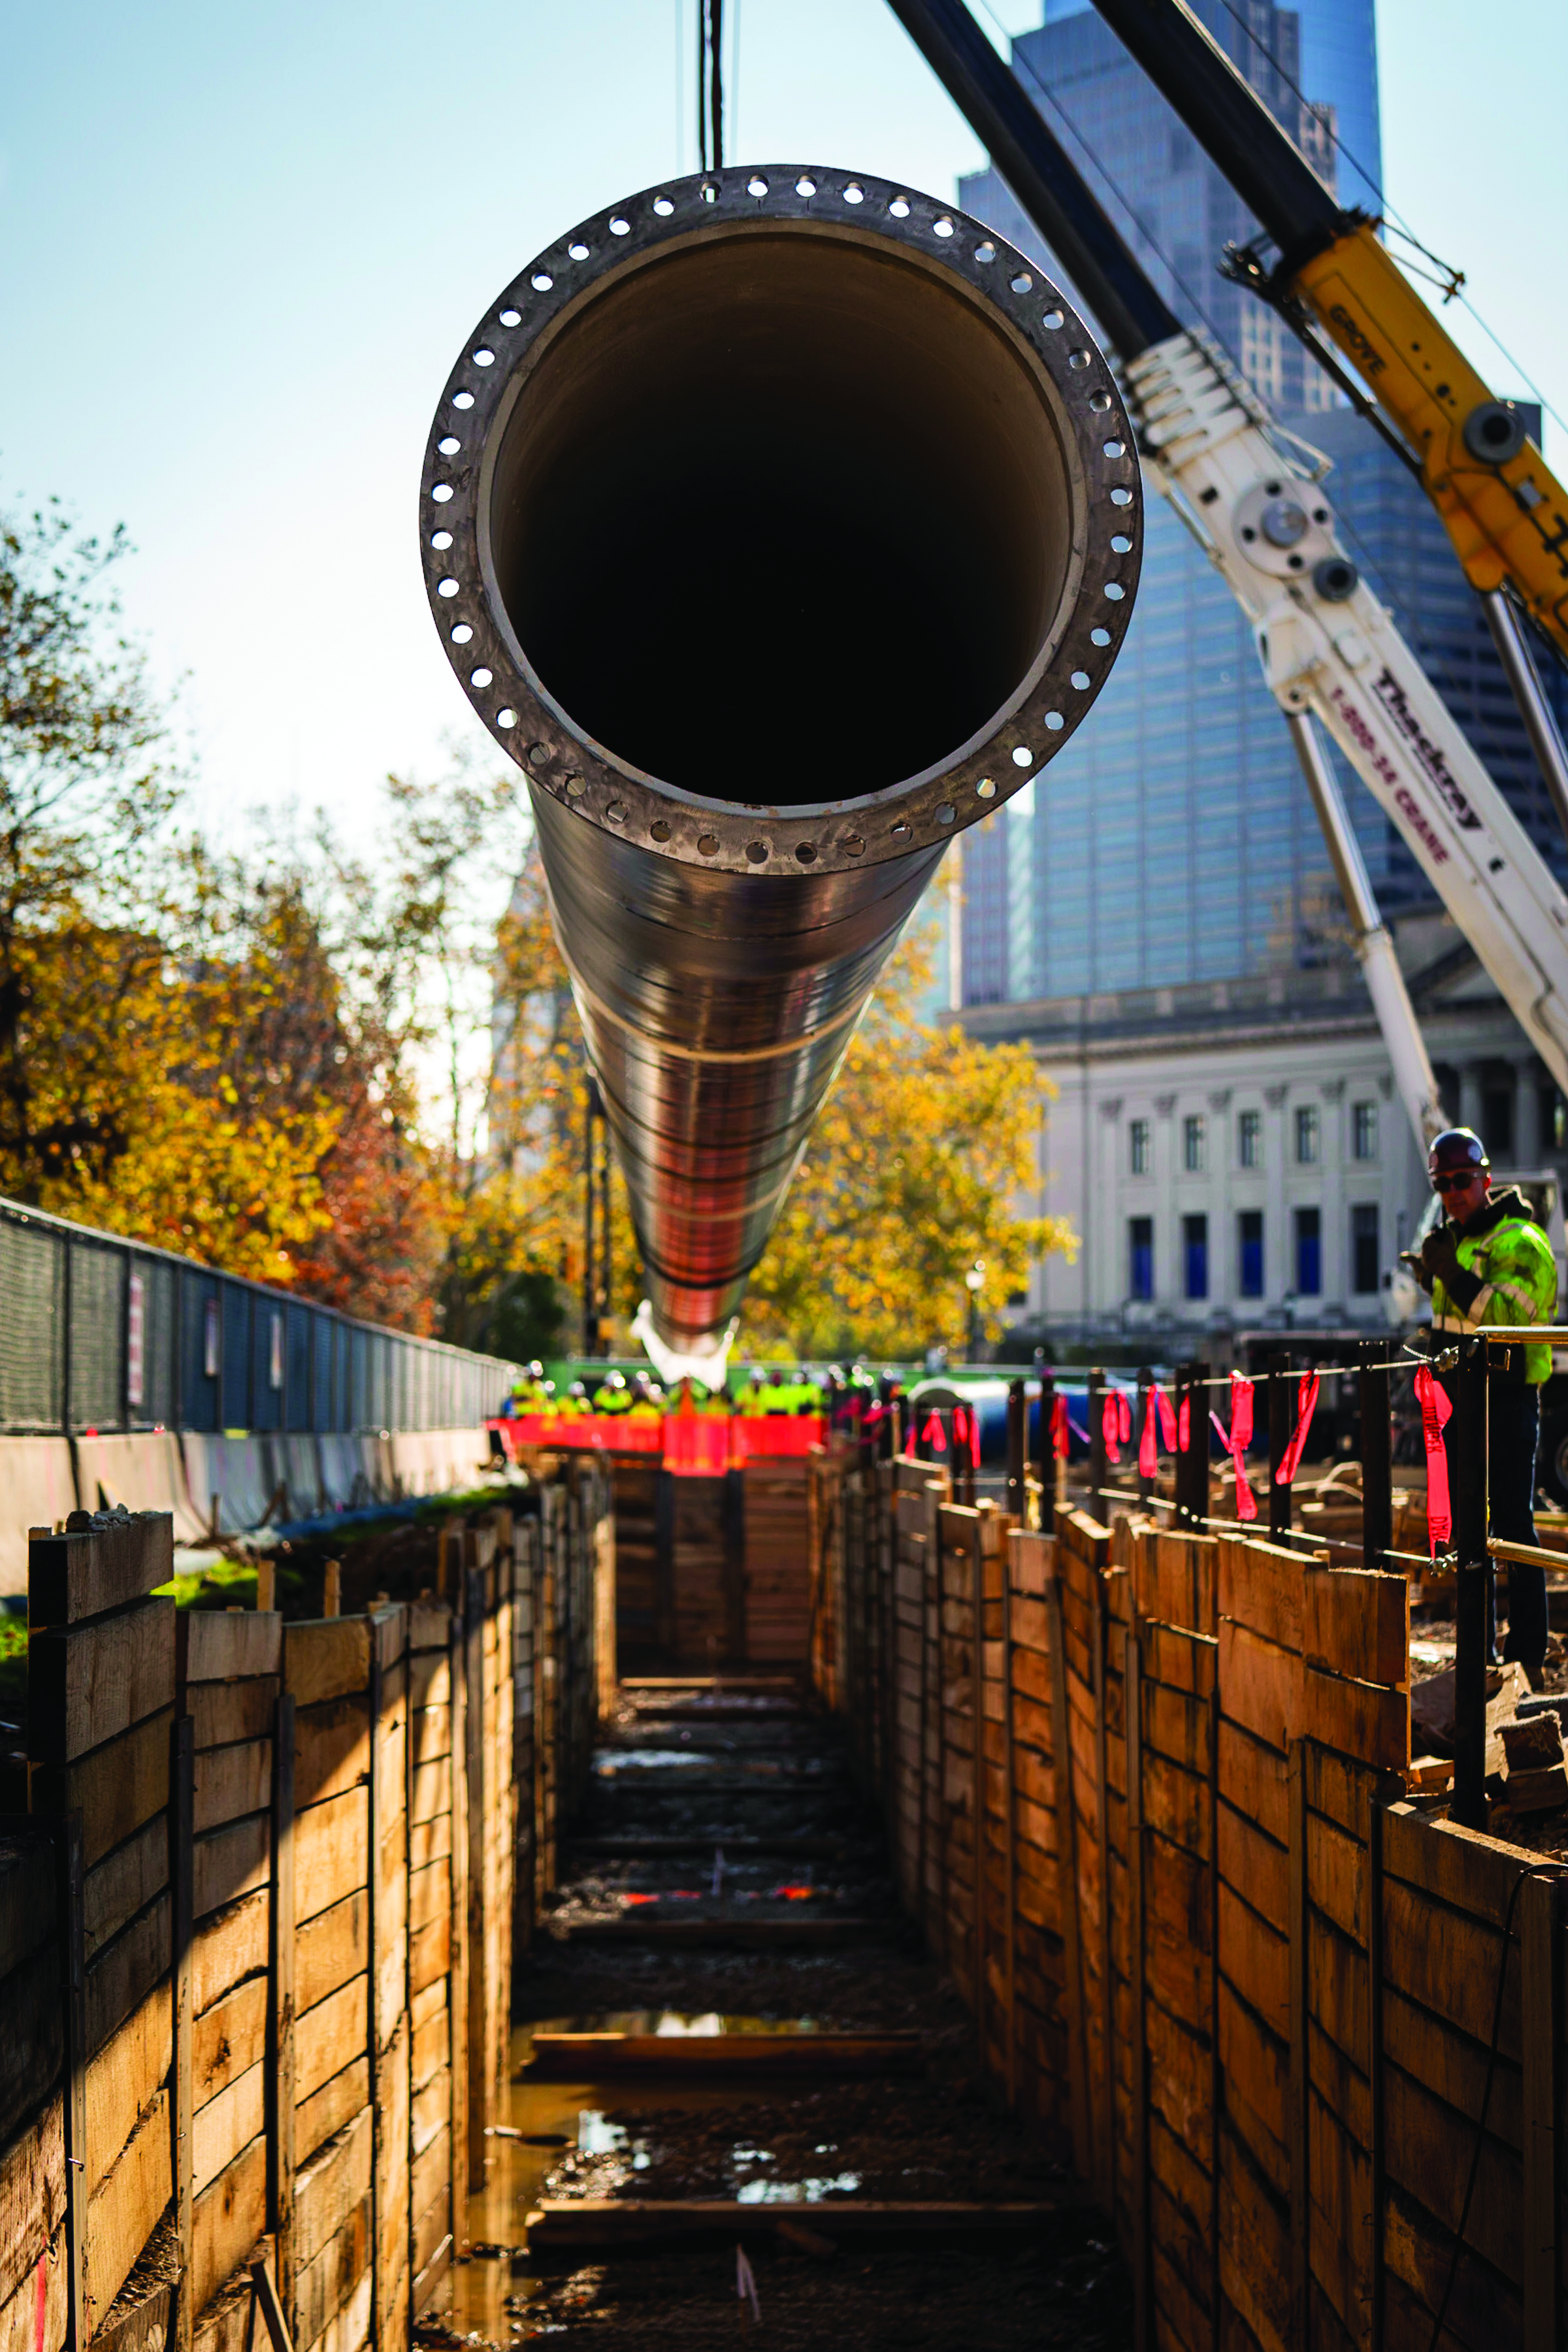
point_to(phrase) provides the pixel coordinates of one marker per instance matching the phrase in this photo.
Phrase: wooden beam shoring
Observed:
(182, 1838)
(1540, 2022)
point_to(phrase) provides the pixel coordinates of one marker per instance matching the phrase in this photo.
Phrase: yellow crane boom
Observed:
(1503, 508)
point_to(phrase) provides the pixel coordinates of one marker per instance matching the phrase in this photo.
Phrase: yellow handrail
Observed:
(1532, 1555)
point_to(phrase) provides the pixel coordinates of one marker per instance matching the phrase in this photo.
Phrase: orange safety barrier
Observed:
(602, 1432)
(774, 1437)
(693, 1444)
(697, 1444)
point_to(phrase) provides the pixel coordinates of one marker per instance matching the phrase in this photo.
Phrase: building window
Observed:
(1365, 1269)
(1308, 1135)
(1309, 1253)
(1364, 1132)
(1196, 1255)
(1250, 1139)
(1192, 1145)
(1138, 1141)
(1249, 1252)
(1141, 1257)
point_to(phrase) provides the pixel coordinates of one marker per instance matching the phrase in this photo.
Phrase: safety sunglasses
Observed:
(1459, 1180)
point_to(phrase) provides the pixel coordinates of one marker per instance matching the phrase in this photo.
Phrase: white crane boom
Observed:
(1330, 650)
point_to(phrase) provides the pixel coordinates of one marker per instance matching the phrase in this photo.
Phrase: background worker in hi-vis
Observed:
(1489, 1262)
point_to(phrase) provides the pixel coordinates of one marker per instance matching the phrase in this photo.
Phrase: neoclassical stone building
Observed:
(1232, 1155)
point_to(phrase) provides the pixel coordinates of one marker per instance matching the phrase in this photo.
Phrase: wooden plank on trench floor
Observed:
(571, 2225)
(719, 1935)
(578, 2057)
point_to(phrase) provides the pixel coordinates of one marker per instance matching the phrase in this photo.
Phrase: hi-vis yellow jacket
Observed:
(1507, 1274)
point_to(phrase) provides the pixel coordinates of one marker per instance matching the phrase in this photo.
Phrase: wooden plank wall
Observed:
(230, 1681)
(778, 1556)
(256, 1931)
(699, 1572)
(32, 2105)
(102, 1753)
(641, 1605)
(437, 1913)
(1210, 1945)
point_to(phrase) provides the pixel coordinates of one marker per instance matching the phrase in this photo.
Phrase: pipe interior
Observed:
(781, 517)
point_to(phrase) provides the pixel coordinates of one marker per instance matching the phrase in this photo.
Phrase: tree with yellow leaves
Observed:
(912, 1173)
(130, 1094)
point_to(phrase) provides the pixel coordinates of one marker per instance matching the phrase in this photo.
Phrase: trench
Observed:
(726, 1876)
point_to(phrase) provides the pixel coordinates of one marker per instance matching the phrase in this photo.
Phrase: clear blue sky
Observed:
(241, 245)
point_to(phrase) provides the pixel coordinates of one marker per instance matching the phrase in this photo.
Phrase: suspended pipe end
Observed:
(706, 1364)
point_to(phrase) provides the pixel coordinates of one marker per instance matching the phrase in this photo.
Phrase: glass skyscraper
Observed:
(1172, 841)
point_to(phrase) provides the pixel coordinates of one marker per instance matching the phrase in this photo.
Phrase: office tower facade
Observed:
(1172, 840)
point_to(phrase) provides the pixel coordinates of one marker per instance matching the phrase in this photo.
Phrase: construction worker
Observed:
(1489, 1262)
(528, 1391)
(612, 1395)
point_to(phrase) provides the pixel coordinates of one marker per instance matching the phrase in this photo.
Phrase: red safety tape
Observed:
(1435, 1407)
(934, 1435)
(1061, 1428)
(1236, 1441)
(41, 2302)
(1156, 1404)
(1305, 1402)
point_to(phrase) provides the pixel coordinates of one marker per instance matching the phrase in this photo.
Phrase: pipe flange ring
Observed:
(521, 348)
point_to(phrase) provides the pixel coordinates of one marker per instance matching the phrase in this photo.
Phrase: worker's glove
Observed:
(1409, 1258)
(1440, 1257)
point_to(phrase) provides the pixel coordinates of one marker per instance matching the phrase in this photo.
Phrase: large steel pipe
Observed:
(779, 523)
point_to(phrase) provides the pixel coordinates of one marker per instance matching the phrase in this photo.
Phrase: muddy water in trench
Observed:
(752, 1818)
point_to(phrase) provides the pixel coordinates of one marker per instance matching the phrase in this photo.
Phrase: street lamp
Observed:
(974, 1283)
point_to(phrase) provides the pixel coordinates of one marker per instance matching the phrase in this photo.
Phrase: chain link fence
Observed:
(99, 1334)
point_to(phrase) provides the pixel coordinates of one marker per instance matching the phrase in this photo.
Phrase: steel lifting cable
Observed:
(1096, 164)
(1453, 286)
(1304, 1371)
(709, 85)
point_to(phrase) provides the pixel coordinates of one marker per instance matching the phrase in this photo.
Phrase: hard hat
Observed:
(578, 1388)
(616, 1380)
(1456, 1147)
(536, 1371)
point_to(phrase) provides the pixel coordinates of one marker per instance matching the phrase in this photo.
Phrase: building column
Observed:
(1470, 1096)
(1069, 1293)
(1222, 1223)
(1110, 1288)
(1526, 1115)
(1278, 1273)
(1404, 1187)
(1336, 1239)
(1167, 1225)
